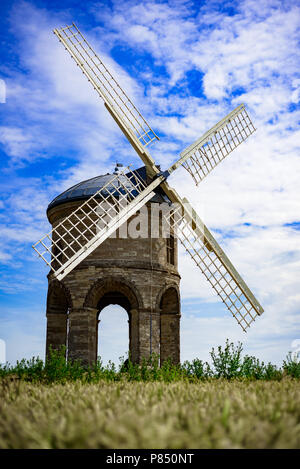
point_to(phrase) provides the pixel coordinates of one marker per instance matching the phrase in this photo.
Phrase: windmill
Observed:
(90, 224)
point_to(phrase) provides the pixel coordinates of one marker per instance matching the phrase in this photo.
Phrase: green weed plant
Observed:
(226, 363)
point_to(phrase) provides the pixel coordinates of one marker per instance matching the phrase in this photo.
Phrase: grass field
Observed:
(233, 402)
(209, 414)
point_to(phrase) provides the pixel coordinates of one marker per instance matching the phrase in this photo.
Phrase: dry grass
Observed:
(210, 414)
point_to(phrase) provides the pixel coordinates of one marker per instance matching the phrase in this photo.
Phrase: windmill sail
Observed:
(79, 234)
(116, 100)
(214, 264)
(207, 152)
(73, 239)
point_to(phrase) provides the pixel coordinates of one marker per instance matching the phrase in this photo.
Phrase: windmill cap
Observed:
(85, 189)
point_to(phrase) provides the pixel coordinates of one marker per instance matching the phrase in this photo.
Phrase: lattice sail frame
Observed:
(105, 84)
(73, 239)
(200, 158)
(214, 264)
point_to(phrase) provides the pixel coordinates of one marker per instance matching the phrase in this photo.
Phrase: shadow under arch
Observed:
(59, 303)
(172, 292)
(117, 291)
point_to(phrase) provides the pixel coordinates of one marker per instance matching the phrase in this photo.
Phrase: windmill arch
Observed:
(101, 287)
(117, 291)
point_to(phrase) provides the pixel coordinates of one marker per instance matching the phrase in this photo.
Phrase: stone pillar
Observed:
(155, 342)
(134, 343)
(82, 344)
(144, 334)
(149, 333)
(56, 331)
(97, 335)
(170, 337)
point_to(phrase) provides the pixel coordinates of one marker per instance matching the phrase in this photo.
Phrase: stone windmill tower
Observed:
(135, 268)
(94, 262)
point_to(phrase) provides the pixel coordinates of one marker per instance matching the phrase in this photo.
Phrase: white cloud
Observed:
(18, 143)
(2, 91)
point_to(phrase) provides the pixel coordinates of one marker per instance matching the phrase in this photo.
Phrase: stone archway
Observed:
(116, 294)
(113, 284)
(114, 290)
(113, 335)
(169, 304)
(58, 305)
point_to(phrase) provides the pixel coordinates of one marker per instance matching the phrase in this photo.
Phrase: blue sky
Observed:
(185, 65)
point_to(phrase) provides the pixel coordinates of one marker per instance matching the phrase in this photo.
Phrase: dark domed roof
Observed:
(85, 189)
